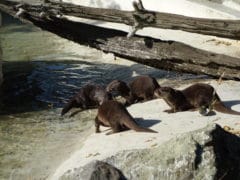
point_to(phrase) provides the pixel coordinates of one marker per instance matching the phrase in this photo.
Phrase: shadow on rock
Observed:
(227, 154)
(231, 103)
(147, 122)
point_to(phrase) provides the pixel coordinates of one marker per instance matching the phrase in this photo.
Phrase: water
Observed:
(41, 72)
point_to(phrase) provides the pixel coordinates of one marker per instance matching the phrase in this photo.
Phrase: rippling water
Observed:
(41, 72)
(37, 85)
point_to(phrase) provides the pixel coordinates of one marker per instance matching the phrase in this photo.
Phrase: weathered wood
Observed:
(167, 55)
(221, 28)
(142, 18)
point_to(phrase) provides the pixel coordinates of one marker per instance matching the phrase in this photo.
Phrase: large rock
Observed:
(95, 170)
(209, 153)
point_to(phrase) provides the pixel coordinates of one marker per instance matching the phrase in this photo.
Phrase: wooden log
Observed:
(168, 55)
(142, 18)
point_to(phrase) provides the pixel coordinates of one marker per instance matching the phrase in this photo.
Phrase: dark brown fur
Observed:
(140, 89)
(115, 115)
(143, 87)
(120, 87)
(89, 96)
(193, 97)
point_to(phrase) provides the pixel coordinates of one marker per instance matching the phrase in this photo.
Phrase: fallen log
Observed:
(167, 55)
(140, 18)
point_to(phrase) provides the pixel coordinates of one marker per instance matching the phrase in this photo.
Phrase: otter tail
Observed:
(220, 107)
(131, 124)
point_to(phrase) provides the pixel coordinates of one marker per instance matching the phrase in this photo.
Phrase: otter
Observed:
(120, 87)
(140, 89)
(89, 96)
(196, 96)
(113, 114)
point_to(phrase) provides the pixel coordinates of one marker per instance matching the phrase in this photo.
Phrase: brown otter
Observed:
(120, 87)
(114, 114)
(89, 96)
(194, 97)
(140, 89)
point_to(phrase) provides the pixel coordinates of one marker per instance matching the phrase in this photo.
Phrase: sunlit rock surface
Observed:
(170, 128)
(208, 153)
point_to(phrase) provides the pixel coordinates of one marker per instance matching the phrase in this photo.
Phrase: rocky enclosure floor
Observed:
(169, 126)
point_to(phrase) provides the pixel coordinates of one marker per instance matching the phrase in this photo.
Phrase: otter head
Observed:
(119, 87)
(107, 96)
(101, 95)
(164, 92)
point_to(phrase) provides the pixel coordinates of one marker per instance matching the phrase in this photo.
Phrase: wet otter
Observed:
(89, 96)
(120, 87)
(140, 89)
(114, 114)
(194, 97)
